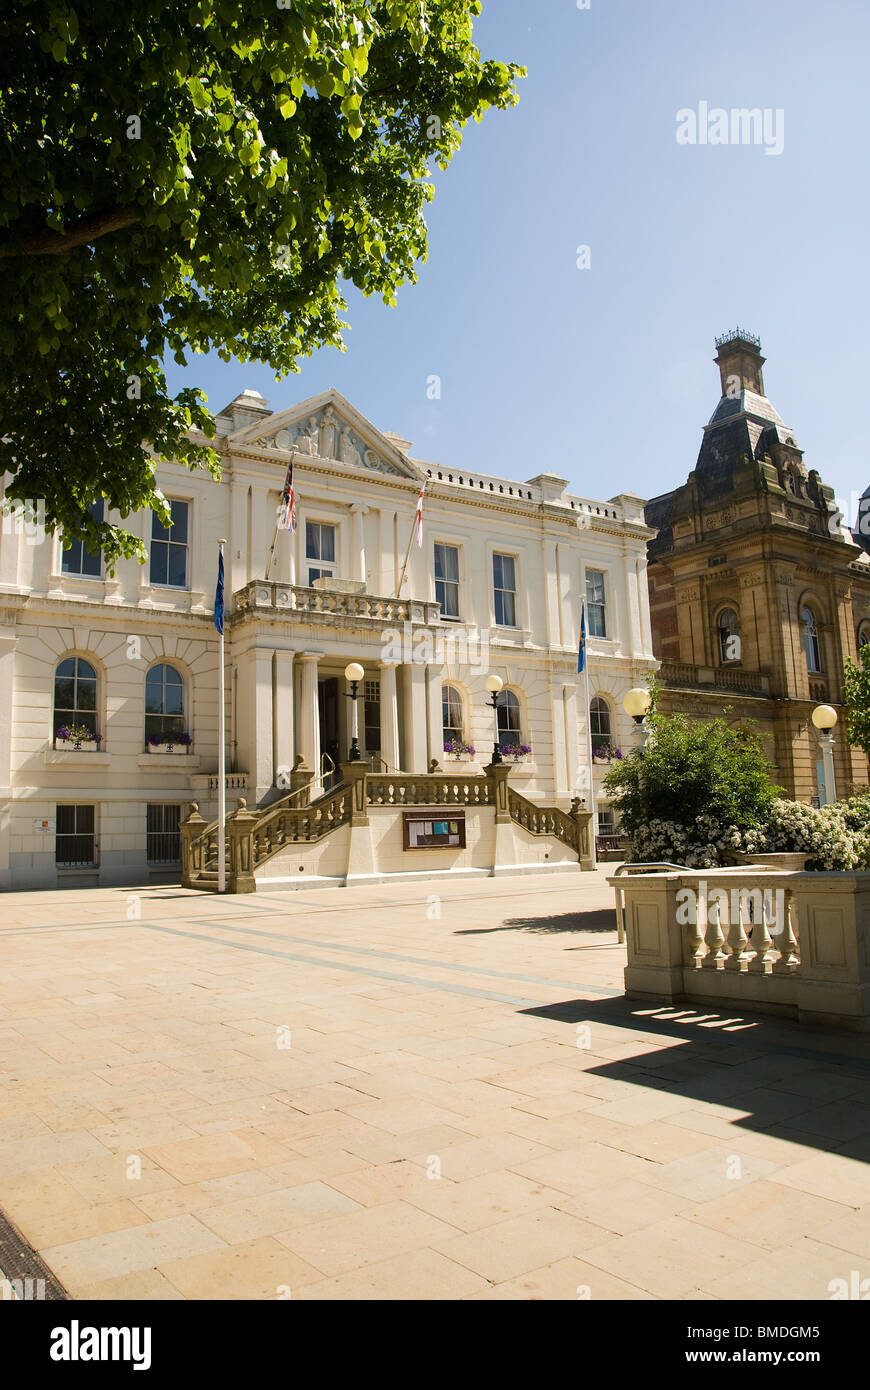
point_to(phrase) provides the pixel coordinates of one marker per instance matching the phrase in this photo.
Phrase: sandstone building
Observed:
(757, 594)
(131, 658)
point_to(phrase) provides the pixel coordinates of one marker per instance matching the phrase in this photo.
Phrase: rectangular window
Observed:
(447, 580)
(75, 841)
(78, 559)
(163, 837)
(169, 547)
(606, 821)
(596, 606)
(320, 548)
(372, 715)
(504, 585)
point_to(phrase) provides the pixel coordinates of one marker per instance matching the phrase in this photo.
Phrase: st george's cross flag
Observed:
(287, 515)
(420, 518)
(581, 651)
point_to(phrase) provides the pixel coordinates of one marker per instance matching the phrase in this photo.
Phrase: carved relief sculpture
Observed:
(327, 433)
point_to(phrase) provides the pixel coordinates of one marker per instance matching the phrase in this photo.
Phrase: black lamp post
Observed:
(494, 685)
(354, 673)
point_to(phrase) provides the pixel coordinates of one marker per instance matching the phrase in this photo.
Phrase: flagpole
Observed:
(584, 647)
(592, 823)
(410, 543)
(222, 758)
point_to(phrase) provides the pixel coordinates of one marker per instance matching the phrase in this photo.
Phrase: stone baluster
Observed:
(762, 941)
(788, 942)
(714, 938)
(696, 938)
(738, 940)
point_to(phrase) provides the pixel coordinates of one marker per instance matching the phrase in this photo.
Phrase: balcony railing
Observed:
(683, 674)
(294, 603)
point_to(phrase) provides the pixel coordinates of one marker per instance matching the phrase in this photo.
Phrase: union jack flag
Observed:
(287, 514)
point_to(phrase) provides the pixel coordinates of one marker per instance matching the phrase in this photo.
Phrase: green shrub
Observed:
(693, 792)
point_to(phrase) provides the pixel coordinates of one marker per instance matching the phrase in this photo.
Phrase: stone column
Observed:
(255, 747)
(415, 722)
(389, 716)
(560, 752)
(632, 604)
(282, 732)
(358, 552)
(573, 761)
(435, 718)
(309, 714)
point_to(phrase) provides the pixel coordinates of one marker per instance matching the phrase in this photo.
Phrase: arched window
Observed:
(863, 634)
(75, 695)
(164, 703)
(599, 722)
(508, 711)
(811, 639)
(451, 715)
(728, 628)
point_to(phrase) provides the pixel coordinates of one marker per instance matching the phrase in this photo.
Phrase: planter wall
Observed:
(769, 940)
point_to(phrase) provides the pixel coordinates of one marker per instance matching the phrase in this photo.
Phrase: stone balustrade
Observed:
(294, 603)
(683, 674)
(756, 938)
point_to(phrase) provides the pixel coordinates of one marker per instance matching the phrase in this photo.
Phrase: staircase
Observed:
(254, 837)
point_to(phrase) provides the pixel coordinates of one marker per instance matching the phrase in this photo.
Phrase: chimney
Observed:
(740, 361)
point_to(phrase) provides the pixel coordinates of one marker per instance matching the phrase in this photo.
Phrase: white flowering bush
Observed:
(788, 827)
(794, 827)
(701, 845)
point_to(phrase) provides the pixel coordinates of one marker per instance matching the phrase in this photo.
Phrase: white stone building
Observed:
(495, 587)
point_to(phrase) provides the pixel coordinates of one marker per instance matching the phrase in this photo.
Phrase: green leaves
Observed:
(856, 698)
(231, 164)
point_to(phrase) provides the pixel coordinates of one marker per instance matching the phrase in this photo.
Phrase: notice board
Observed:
(433, 830)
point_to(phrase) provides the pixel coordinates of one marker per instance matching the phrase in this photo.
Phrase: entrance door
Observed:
(327, 691)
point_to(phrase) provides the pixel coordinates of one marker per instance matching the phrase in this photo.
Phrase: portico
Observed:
(290, 646)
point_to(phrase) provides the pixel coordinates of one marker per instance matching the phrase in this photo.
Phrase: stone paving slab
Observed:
(414, 1091)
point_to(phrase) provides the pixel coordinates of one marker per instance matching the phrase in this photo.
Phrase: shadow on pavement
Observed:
(809, 1087)
(596, 920)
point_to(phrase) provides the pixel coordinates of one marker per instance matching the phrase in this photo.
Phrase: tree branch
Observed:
(49, 243)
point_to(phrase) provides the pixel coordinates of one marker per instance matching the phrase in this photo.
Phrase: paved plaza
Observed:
(429, 1090)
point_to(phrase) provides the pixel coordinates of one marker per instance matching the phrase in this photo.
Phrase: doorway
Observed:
(327, 703)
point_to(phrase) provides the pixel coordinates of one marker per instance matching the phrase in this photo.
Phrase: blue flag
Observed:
(581, 653)
(219, 596)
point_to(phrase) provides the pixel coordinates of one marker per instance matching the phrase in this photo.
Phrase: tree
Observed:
(856, 699)
(176, 178)
(696, 781)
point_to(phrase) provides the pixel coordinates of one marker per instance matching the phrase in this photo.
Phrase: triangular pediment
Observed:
(328, 428)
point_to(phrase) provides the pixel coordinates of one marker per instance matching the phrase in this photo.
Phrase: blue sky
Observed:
(605, 375)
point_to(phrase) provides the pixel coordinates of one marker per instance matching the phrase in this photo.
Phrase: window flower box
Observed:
(78, 737)
(459, 750)
(515, 752)
(169, 743)
(606, 753)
